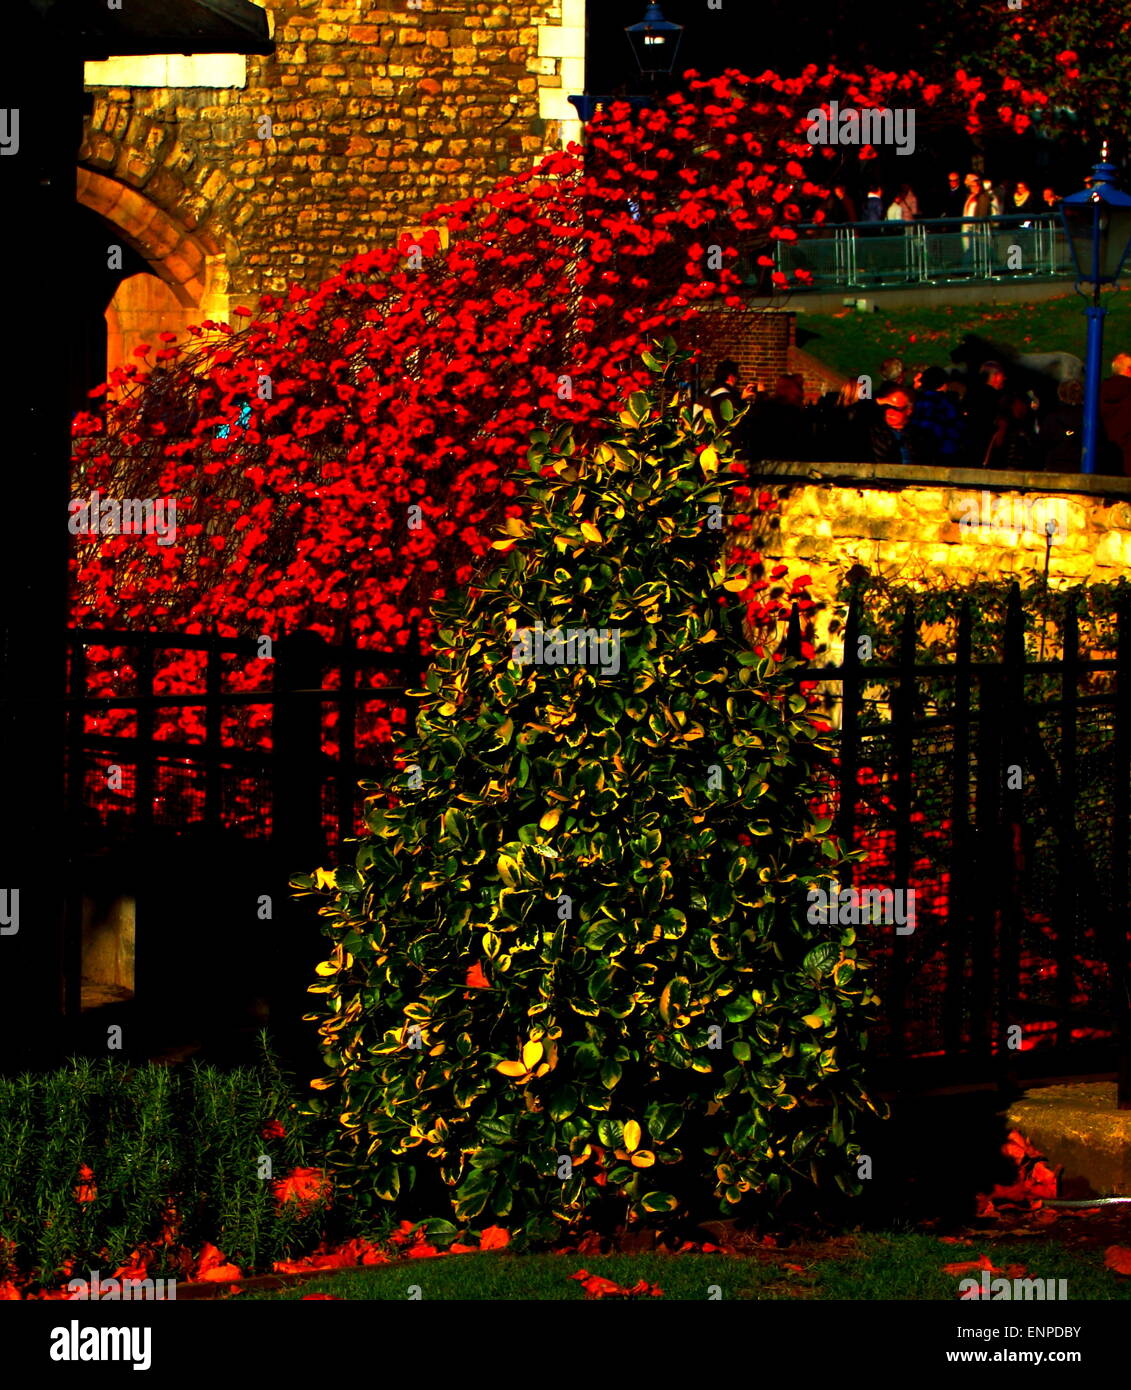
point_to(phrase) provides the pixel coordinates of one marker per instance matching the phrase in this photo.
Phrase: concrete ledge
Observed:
(900, 475)
(1079, 1128)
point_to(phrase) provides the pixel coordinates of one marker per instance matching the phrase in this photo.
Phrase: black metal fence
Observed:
(999, 791)
(289, 774)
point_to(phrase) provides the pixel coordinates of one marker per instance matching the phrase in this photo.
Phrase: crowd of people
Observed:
(929, 416)
(974, 196)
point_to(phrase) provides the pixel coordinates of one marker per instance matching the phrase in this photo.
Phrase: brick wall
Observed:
(759, 340)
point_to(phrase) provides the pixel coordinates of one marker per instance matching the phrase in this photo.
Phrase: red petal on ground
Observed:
(458, 1249)
(494, 1238)
(309, 1297)
(597, 1287)
(1042, 1180)
(1118, 1258)
(212, 1269)
(971, 1267)
(136, 1268)
(1018, 1147)
(9, 1293)
(353, 1252)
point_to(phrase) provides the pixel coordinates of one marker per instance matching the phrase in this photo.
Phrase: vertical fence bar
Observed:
(146, 717)
(903, 737)
(213, 735)
(347, 740)
(75, 799)
(76, 732)
(851, 693)
(1121, 898)
(1012, 847)
(959, 885)
(986, 863)
(296, 739)
(1067, 907)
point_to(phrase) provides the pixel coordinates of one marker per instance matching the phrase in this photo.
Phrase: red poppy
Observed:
(87, 1190)
(307, 1187)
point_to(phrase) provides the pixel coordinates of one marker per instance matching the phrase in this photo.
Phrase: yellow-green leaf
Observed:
(631, 1135)
(512, 1069)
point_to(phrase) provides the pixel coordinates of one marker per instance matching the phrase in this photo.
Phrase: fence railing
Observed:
(999, 790)
(935, 251)
(290, 774)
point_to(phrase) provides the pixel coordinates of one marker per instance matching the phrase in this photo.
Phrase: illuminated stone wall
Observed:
(935, 528)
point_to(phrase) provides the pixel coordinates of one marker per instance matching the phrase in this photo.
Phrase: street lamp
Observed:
(654, 43)
(1097, 222)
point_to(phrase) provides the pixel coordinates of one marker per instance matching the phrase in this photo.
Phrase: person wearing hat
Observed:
(891, 437)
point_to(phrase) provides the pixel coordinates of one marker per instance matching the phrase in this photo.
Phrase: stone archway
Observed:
(187, 282)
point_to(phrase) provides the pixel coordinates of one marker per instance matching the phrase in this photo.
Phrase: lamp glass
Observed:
(654, 42)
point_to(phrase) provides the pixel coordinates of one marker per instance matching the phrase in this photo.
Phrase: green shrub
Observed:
(646, 996)
(154, 1139)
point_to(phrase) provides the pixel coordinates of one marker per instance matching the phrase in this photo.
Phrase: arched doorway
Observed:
(107, 260)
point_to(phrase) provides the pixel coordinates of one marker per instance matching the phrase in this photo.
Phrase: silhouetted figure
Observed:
(1061, 439)
(1115, 409)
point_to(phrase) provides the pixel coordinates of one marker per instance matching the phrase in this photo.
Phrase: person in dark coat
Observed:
(983, 410)
(891, 437)
(839, 207)
(1024, 201)
(953, 199)
(1013, 444)
(1115, 408)
(874, 204)
(1062, 431)
(778, 427)
(937, 419)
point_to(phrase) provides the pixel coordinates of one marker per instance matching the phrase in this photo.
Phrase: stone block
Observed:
(1078, 1128)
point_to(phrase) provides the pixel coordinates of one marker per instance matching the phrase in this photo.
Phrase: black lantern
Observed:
(655, 41)
(1098, 224)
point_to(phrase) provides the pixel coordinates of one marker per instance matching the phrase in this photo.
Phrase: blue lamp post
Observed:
(1097, 221)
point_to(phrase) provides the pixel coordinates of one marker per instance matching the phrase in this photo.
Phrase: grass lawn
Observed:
(893, 1266)
(853, 342)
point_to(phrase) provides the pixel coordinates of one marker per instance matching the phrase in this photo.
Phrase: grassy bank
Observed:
(924, 335)
(892, 1266)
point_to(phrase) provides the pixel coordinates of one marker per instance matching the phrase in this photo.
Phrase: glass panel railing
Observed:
(933, 251)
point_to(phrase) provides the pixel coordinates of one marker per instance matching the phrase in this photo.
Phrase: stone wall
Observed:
(935, 528)
(377, 113)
